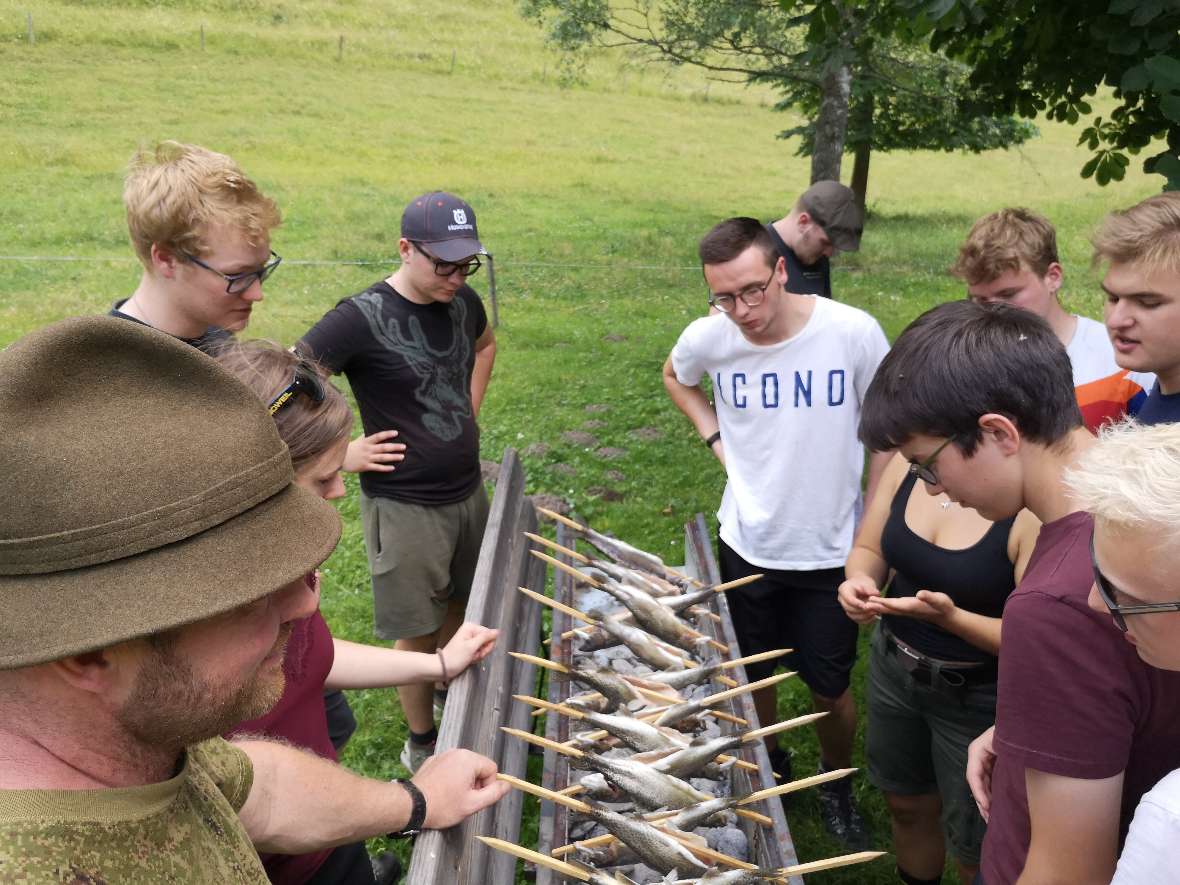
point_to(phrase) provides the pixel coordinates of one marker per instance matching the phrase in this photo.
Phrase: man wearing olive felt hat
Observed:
(154, 552)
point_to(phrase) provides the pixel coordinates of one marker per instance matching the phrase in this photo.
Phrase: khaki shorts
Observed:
(422, 560)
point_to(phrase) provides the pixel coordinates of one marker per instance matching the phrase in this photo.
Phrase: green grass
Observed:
(592, 200)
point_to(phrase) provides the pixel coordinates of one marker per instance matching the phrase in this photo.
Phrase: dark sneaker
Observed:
(780, 762)
(840, 815)
(387, 868)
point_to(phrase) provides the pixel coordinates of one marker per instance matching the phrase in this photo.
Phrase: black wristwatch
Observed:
(712, 438)
(417, 811)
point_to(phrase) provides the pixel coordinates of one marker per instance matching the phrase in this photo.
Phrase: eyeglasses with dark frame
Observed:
(751, 296)
(1119, 612)
(925, 470)
(306, 381)
(237, 283)
(446, 268)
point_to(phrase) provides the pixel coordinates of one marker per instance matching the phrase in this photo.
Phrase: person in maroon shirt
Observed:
(982, 396)
(314, 420)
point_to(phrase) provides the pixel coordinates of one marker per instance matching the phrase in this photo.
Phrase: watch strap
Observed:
(417, 810)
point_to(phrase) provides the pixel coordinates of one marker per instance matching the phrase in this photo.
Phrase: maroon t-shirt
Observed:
(1074, 698)
(299, 718)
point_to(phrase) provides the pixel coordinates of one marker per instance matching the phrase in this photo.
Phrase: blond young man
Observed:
(1010, 257)
(1142, 248)
(201, 229)
(1130, 482)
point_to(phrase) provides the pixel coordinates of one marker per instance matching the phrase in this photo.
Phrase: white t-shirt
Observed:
(1151, 854)
(1090, 352)
(788, 414)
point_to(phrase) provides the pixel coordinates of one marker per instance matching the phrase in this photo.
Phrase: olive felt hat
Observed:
(145, 488)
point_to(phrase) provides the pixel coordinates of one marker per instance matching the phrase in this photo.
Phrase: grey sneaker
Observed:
(440, 701)
(413, 755)
(839, 813)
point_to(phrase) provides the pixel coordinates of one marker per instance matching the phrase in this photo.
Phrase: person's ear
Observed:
(1002, 430)
(1053, 277)
(164, 261)
(780, 270)
(91, 671)
(405, 249)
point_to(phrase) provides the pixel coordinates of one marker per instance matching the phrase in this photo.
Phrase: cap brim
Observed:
(454, 250)
(845, 241)
(49, 617)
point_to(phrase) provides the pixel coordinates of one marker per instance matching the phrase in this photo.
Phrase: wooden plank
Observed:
(480, 700)
(777, 850)
(555, 776)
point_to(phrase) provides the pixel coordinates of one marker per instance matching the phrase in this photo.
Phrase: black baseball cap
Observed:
(443, 222)
(833, 207)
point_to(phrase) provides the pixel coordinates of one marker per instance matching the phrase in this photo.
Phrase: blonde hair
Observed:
(1147, 233)
(308, 428)
(174, 192)
(1003, 241)
(1131, 478)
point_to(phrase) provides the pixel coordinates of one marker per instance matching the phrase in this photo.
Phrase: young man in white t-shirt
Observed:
(788, 373)
(1010, 257)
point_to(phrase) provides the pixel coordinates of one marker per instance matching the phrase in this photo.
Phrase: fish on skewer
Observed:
(719, 877)
(621, 552)
(647, 788)
(659, 620)
(716, 876)
(618, 691)
(642, 644)
(679, 679)
(654, 846)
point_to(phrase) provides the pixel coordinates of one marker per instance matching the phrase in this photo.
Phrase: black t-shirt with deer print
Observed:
(410, 368)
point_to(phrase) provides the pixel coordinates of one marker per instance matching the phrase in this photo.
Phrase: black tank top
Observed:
(978, 578)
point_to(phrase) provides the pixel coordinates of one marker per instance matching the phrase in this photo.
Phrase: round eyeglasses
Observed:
(751, 296)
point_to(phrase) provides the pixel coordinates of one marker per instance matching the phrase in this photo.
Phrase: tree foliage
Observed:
(848, 66)
(1043, 56)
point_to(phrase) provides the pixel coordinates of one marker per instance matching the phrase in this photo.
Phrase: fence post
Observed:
(32, 33)
(340, 49)
(452, 70)
(492, 290)
(202, 36)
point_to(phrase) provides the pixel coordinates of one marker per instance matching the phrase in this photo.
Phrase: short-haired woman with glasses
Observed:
(315, 421)
(932, 670)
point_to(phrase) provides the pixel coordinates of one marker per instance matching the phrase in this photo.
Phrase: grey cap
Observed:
(445, 223)
(833, 207)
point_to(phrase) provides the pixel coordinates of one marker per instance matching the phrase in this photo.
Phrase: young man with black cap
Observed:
(825, 220)
(418, 351)
(146, 611)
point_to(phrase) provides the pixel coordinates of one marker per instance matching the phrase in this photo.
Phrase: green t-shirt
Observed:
(182, 830)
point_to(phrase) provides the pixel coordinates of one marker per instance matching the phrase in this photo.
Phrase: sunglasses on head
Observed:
(305, 381)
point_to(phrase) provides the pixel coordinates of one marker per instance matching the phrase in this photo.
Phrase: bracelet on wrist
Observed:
(712, 438)
(442, 663)
(417, 810)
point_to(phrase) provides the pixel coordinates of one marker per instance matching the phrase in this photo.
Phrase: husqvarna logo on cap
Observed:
(444, 221)
(460, 216)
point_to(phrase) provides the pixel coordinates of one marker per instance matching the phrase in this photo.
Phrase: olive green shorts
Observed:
(916, 744)
(422, 560)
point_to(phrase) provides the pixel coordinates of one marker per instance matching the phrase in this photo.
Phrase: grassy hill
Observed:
(592, 200)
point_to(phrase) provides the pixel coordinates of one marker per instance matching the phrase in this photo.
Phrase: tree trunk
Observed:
(831, 125)
(863, 129)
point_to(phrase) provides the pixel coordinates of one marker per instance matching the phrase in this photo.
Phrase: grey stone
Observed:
(647, 434)
(565, 469)
(489, 470)
(535, 450)
(579, 438)
(608, 453)
(598, 407)
(615, 476)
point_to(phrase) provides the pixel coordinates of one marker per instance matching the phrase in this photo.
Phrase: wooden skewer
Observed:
(754, 659)
(803, 869)
(535, 857)
(737, 582)
(542, 742)
(785, 725)
(749, 686)
(727, 682)
(801, 784)
(559, 606)
(568, 569)
(540, 662)
(553, 545)
(577, 526)
(706, 853)
(542, 793)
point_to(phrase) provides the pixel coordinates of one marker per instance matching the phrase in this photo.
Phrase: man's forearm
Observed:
(481, 375)
(301, 803)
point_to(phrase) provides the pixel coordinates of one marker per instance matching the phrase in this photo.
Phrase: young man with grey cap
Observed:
(825, 220)
(146, 610)
(417, 350)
